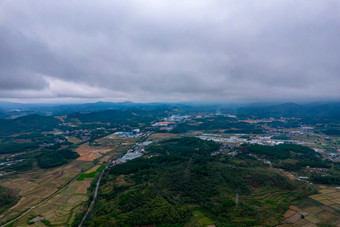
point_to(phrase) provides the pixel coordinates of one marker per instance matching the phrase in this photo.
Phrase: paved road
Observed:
(93, 200)
(96, 190)
(57, 192)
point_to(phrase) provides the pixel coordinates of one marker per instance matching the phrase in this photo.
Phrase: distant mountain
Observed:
(16, 109)
(10, 106)
(3, 114)
(314, 112)
(117, 118)
(102, 116)
(87, 107)
(318, 111)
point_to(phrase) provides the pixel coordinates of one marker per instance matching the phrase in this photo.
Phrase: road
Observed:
(138, 148)
(94, 198)
(57, 192)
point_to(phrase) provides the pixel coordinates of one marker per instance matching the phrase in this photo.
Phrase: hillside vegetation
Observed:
(30, 123)
(6, 199)
(281, 156)
(180, 179)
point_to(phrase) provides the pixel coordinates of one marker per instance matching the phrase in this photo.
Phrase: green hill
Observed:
(182, 183)
(30, 123)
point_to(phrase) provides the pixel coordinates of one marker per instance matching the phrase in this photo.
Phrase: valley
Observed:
(191, 168)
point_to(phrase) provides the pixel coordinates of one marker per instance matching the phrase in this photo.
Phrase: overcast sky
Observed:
(169, 50)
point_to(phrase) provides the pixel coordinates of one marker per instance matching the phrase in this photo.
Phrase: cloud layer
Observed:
(161, 50)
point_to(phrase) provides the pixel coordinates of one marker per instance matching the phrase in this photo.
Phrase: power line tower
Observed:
(236, 201)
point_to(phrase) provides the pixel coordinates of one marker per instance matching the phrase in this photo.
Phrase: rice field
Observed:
(61, 209)
(35, 186)
(320, 209)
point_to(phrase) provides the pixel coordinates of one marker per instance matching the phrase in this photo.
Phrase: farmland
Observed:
(90, 153)
(91, 172)
(189, 175)
(37, 189)
(322, 209)
(35, 186)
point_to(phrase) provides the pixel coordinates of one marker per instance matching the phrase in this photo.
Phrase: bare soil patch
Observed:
(89, 153)
(161, 136)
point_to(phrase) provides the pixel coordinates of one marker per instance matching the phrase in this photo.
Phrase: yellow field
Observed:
(90, 153)
(93, 169)
(38, 185)
(104, 159)
(161, 136)
(34, 186)
(62, 208)
(74, 140)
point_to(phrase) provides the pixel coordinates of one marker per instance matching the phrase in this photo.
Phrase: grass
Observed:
(199, 219)
(273, 200)
(80, 194)
(92, 174)
(313, 219)
(36, 176)
(87, 175)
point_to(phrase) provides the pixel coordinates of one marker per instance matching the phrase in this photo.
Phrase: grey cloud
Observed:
(21, 59)
(168, 50)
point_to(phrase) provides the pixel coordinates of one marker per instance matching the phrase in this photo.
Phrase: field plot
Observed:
(269, 199)
(320, 209)
(104, 159)
(74, 140)
(62, 208)
(114, 141)
(91, 172)
(93, 169)
(34, 186)
(161, 136)
(90, 153)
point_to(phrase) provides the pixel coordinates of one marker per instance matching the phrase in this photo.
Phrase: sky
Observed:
(169, 50)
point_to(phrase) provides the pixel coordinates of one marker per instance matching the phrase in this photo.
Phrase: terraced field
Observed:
(61, 209)
(35, 186)
(274, 201)
(320, 209)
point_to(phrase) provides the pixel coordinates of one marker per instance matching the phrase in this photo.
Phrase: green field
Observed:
(92, 174)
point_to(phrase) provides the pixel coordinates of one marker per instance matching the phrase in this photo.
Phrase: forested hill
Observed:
(6, 199)
(179, 182)
(130, 117)
(29, 123)
(102, 116)
(315, 112)
(7, 109)
(39, 123)
(311, 112)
